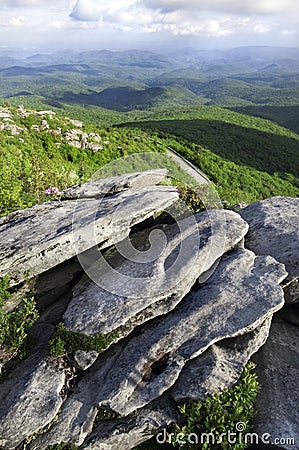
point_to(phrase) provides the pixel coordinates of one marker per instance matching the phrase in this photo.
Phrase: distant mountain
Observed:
(137, 79)
(127, 98)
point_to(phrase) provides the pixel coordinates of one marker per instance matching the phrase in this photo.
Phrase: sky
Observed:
(44, 25)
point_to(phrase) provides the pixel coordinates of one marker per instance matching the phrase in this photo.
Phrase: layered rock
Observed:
(30, 398)
(277, 401)
(240, 295)
(220, 366)
(217, 368)
(146, 276)
(190, 305)
(39, 238)
(130, 431)
(100, 187)
(274, 230)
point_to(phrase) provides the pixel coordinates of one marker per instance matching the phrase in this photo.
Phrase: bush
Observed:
(65, 341)
(14, 325)
(215, 416)
(62, 447)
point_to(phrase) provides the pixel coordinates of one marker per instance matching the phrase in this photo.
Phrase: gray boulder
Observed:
(128, 432)
(217, 368)
(240, 295)
(30, 398)
(277, 402)
(220, 366)
(38, 238)
(97, 188)
(135, 282)
(83, 360)
(274, 230)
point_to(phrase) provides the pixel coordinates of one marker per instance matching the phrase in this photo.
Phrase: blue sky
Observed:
(36, 25)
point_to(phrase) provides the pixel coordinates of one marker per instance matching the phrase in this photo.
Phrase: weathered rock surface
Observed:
(83, 360)
(130, 431)
(39, 238)
(220, 366)
(113, 185)
(274, 230)
(217, 368)
(30, 398)
(134, 283)
(240, 295)
(76, 419)
(199, 305)
(277, 369)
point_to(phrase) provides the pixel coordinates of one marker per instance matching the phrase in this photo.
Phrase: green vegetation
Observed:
(62, 447)
(133, 79)
(219, 414)
(34, 158)
(242, 155)
(14, 325)
(287, 116)
(65, 341)
(216, 415)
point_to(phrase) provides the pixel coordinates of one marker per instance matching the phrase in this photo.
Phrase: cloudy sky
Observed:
(36, 25)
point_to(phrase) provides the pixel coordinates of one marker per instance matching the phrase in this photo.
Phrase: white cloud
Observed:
(36, 4)
(93, 10)
(215, 18)
(260, 28)
(57, 24)
(86, 11)
(17, 21)
(229, 6)
(132, 22)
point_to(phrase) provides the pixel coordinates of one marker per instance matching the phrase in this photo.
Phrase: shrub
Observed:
(231, 411)
(14, 325)
(62, 446)
(66, 341)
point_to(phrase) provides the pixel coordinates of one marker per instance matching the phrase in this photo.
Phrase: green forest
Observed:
(246, 157)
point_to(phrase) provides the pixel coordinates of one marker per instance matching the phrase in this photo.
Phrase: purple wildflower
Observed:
(53, 191)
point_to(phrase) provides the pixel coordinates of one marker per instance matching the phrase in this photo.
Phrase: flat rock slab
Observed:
(130, 431)
(277, 401)
(99, 187)
(30, 398)
(149, 273)
(220, 366)
(217, 368)
(36, 239)
(240, 295)
(274, 230)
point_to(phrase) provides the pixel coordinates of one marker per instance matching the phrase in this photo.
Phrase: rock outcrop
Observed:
(190, 306)
(277, 401)
(220, 366)
(38, 238)
(149, 282)
(240, 295)
(31, 397)
(274, 230)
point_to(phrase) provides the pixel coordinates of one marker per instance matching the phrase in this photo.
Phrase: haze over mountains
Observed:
(134, 79)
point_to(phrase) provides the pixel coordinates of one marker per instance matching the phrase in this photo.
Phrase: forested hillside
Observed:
(141, 80)
(247, 158)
